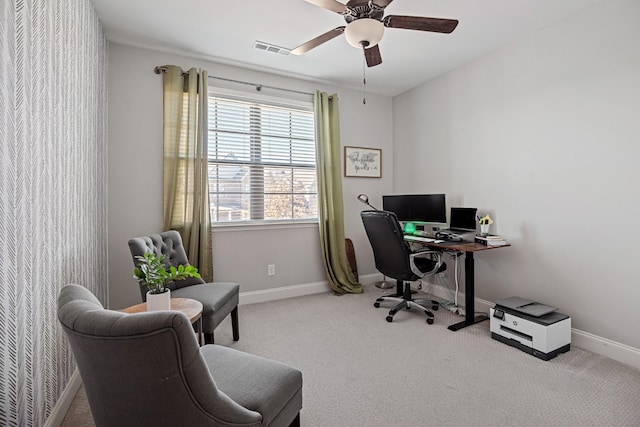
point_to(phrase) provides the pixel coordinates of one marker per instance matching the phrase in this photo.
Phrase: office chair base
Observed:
(429, 319)
(405, 301)
(407, 305)
(401, 292)
(387, 298)
(435, 305)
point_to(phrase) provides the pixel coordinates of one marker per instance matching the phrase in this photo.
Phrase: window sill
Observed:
(264, 225)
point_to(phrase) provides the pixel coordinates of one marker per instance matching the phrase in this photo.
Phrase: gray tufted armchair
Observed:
(146, 369)
(218, 298)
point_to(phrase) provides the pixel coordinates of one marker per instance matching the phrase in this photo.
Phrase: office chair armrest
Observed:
(433, 255)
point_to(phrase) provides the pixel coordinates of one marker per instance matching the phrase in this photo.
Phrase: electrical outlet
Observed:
(271, 270)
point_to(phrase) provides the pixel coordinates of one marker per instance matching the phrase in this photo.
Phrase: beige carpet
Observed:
(359, 370)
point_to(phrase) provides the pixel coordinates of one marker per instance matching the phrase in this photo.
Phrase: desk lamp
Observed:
(364, 199)
(383, 284)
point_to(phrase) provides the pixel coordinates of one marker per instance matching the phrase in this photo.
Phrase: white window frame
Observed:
(276, 102)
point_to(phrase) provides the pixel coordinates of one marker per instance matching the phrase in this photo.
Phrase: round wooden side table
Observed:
(190, 307)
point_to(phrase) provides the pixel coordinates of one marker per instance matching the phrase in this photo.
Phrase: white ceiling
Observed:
(225, 31)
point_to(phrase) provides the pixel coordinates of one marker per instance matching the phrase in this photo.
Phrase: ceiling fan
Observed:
(365, 26)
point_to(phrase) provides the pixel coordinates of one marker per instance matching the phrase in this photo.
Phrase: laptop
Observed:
(462, 221)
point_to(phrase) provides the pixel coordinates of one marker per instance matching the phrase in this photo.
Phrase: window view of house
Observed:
(262, 162)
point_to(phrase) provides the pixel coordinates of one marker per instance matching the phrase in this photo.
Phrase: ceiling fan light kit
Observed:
(364, 32)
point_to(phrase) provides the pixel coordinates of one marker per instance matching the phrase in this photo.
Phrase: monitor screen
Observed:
(417, 207)
(463, 218)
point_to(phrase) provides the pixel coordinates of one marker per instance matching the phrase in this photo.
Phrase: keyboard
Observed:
(411, 238)
(456, 231)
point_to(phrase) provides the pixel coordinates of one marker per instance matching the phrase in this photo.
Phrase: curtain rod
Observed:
(258, 86)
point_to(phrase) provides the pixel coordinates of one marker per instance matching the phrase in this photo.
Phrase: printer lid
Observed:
(526, 306)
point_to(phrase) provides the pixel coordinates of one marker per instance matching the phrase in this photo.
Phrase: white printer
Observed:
(532, 327)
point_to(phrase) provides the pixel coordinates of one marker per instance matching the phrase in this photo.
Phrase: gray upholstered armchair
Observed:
(147, 369)
(218, 298)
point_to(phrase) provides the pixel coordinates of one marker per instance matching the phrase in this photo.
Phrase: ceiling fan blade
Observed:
(436, 25)
(332, 5)
(372, 55)
(382, 3)
(306, 47)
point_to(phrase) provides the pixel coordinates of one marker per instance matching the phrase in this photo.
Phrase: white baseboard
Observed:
(611, 349)
(604, 347)
(593, 343)
(273, 294)
(64, 402)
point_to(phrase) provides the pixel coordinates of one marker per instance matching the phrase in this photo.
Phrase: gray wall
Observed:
(543, 134)
(53, 229)
(241, 254)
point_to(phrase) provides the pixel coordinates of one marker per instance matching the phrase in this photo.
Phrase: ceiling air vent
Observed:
(268, 47)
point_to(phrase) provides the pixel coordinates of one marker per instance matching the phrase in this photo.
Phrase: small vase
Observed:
(156, 302)
(484, 229)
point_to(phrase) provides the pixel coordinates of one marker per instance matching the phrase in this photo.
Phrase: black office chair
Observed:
(395, 259)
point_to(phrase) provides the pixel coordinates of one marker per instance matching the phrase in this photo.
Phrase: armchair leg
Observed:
(208, 338)
(296, 421)
(234, 324)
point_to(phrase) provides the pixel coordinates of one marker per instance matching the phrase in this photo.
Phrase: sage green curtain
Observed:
(186, 183)
(330, 205)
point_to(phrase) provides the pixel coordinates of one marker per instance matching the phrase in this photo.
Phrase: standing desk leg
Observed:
(469, 297)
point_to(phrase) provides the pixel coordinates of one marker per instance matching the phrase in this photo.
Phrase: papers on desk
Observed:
(490, 240)
(421, 239)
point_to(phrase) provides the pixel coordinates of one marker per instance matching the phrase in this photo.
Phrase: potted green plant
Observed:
(154, 272)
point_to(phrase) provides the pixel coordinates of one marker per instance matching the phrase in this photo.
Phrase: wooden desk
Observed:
(190, 307)
(469, 249)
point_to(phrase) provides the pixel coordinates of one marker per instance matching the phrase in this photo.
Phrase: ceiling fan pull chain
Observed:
(364, 78)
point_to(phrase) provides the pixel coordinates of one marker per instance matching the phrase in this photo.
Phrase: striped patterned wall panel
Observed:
(53, 174)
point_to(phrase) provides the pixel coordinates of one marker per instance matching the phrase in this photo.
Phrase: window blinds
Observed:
(262, 163)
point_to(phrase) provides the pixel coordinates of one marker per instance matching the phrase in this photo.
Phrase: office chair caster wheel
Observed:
(390, 319)
(435, 307)
(376, 304)
(429, 320)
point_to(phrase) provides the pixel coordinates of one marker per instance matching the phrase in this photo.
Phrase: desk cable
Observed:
(449, 305)
(453, 306)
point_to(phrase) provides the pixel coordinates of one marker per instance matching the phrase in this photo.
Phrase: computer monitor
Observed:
(463, 219)
(417, 207)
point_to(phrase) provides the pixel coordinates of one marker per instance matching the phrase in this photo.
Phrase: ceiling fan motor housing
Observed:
(357, 9)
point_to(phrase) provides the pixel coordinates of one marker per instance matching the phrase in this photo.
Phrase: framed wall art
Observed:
(362, 162)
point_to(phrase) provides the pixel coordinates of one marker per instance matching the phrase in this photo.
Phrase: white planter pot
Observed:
(484, 229)
(156, 302)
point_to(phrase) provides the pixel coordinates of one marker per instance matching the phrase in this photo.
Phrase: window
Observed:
(262, 161)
